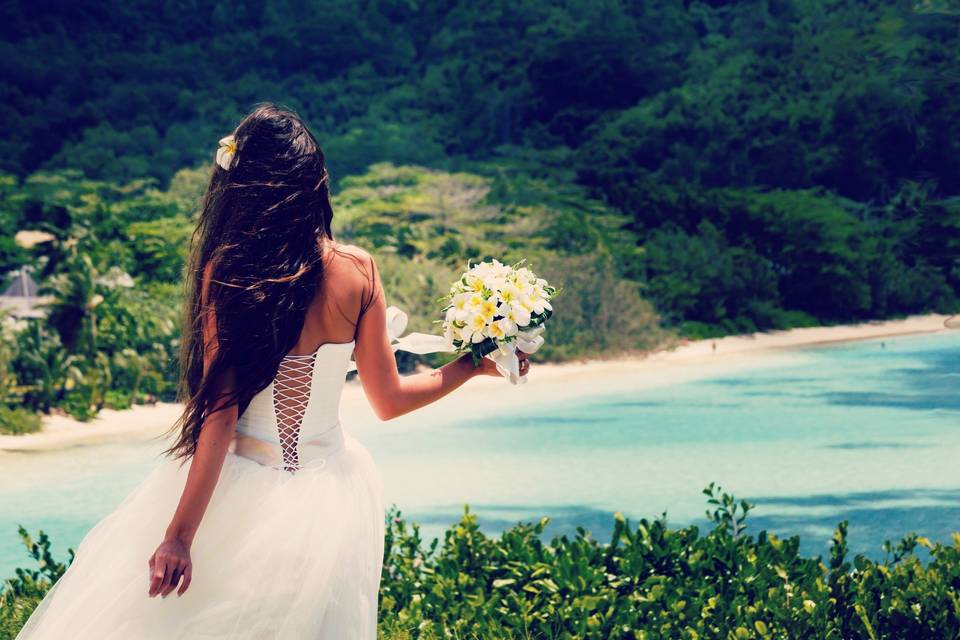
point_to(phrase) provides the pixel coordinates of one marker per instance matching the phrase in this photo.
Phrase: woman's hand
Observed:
(169, 563)
(524, 359)
(488, 367)
(391, 394)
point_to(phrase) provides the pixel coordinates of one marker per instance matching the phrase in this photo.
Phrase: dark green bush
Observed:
(649, 581)
(21, 594)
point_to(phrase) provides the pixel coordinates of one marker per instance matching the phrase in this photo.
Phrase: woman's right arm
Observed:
(171, 561)
(389, 393)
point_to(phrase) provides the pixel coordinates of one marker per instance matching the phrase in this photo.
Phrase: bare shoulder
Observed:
(353, 251)
(352, 255)
(353, 267)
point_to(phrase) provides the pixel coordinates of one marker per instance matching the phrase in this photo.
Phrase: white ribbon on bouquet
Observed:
(505, 356)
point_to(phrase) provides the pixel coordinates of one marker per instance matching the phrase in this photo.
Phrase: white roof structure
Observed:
(21, 297)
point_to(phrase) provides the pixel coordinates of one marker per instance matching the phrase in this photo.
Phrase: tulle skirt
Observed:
(277, 555)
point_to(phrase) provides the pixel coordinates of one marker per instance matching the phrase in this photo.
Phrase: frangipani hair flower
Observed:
(226, 152)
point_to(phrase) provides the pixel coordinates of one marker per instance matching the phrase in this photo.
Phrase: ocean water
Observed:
(867, 432)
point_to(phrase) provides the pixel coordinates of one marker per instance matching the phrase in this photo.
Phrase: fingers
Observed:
(180, 570)
(170, 580)
(150, 564)
(169, 564)
(158, 569)
(524, 359)
(187, 575)
(164, 575)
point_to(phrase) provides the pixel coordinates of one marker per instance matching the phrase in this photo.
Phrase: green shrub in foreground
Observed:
(22, 593)
(649, 581)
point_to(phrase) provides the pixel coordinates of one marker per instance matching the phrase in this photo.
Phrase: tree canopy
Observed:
(777, 161)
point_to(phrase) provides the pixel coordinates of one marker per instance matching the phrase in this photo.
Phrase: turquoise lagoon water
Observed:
(868, 432)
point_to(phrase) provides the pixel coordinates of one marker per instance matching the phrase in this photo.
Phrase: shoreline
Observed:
(683, 362)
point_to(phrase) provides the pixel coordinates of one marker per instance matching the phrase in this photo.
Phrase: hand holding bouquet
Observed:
(495, 309)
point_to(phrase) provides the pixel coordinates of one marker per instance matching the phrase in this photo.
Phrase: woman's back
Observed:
(347, 289)
(294, 421)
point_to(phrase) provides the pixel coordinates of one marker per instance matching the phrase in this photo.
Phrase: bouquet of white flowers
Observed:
(491, 311)
(495, 309)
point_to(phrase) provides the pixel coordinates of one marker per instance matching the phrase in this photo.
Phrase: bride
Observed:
(275, 528)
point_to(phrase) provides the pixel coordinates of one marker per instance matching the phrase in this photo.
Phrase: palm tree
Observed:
(72, 311)
(41, 366)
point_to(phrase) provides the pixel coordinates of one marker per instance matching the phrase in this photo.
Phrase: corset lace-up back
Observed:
(291, 394)
(294, 422)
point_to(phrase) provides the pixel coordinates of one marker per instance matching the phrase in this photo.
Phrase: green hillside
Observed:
(779, 162)
(696, 168)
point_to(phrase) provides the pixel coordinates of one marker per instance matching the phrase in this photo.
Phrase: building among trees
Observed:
(21, 299)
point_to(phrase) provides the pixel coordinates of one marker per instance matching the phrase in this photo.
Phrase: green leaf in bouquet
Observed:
(537, 320)
(481, 349)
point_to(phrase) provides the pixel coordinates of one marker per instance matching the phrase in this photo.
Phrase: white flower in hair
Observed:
(226, 152)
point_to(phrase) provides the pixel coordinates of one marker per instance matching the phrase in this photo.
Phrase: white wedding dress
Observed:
(290, 546)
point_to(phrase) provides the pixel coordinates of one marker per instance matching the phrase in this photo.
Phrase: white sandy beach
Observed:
(684, 362)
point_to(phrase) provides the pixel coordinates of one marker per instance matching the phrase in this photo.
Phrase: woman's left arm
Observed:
(171, 561)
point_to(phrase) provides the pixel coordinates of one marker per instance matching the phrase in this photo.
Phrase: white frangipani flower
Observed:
(502, 328)
(494, 309)
(540, 305)
(477, 324)
(226, 152)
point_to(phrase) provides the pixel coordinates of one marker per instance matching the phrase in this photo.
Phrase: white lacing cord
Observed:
(291, 394)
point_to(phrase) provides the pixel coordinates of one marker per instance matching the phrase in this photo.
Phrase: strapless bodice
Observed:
(294, 421)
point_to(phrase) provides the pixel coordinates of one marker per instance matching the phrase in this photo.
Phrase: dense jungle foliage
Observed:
(703, 167)
(780, 162)
(646, 581)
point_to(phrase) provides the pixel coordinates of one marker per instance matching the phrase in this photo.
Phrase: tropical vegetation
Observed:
(760, 150)
(646, 580)
(111, 262)
(696, 168)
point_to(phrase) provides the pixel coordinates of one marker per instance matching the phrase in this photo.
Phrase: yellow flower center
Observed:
(488, 308)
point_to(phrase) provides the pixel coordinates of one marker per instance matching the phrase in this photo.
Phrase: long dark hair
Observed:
(262, 227)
